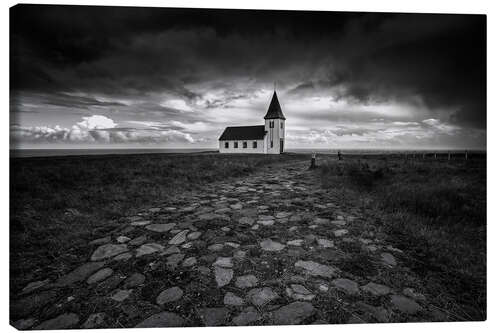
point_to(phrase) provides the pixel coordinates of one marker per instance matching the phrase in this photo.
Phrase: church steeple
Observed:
(274, 111)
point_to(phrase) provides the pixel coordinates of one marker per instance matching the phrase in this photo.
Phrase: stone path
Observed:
(270, 249)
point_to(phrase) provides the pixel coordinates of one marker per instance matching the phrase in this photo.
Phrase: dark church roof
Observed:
(274, 111)
(243, 133)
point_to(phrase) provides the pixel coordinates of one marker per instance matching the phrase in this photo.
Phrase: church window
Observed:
(255, 144)
(226, 145)
(281, 125)
(244, 144)
(271, 143)
(271, 124)
(236, 144)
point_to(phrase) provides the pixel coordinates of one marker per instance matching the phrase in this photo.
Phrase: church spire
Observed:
(274, 111)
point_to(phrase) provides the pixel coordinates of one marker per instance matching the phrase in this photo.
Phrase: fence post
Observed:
(466, 155)
(449, 156)
(435, 156)
(313, 161)
(340, 155)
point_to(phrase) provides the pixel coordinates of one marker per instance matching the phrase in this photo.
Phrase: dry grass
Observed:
(44, 236)
(435, 211)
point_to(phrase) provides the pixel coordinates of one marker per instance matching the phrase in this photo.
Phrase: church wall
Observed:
(274, 134)
(240, 150)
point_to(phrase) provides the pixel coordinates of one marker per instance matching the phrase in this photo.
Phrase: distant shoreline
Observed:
(23, 153)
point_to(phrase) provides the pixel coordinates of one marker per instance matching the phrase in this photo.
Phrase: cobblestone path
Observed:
(269, 249)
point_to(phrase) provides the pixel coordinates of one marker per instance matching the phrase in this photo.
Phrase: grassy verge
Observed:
(58, 204)
(435, 211)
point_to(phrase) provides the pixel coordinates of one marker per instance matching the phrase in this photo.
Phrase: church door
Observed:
(281, 145)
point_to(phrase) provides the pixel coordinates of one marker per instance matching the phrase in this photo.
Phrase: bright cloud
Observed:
(178, 104)
(98, 129)
(96, 122)
(441, 126)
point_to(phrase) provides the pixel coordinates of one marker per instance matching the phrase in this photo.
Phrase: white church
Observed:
(263, 139)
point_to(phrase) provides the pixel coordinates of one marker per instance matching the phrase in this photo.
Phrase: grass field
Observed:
(433, 210)
(58, 204)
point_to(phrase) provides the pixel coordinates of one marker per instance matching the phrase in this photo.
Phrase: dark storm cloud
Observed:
(437, 60)
(64, 100)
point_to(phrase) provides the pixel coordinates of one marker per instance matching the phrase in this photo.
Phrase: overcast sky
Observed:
(175, 78)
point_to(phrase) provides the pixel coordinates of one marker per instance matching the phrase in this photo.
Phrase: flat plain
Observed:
(209, 239)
